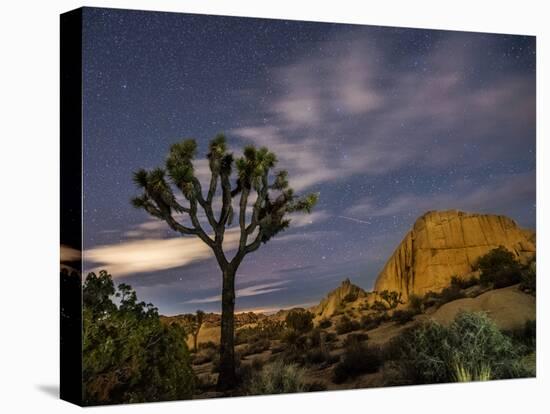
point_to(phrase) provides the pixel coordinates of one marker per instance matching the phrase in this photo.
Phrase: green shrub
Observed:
(357, 359)
(129, 355)
(350, 297)
(431, 353)
(499, 268)
(528, 282)
(353, 338)
(265, 329)
(346, 325)
(325, 323)
(278, 378)
(379, 306)
(299, 320)
(526, 336)
(204, 356)
(403, 316)
(372, 321)
(463, 283)
(391, 297)
(318, 356)
(416, 304)
(330, 337)
(256, 347)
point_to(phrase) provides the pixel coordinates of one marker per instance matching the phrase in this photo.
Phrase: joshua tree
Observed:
(196, 327)
(268, 216)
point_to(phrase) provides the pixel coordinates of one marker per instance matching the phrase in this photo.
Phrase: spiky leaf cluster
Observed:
(275, 200)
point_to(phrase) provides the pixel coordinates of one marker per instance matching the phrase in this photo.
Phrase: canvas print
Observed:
(259, 206)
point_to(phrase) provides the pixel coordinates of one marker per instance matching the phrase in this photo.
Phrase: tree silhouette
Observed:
(268, 216)
(196, 325)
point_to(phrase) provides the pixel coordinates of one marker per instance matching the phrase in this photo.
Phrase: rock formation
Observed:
(337, 298)
(442, 244)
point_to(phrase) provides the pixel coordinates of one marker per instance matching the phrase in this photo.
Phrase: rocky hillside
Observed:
(442, 244)
(337, 299)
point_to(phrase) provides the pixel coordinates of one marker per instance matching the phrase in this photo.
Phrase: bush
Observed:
(373, 321)
(379, 306)
(402, 317)
(129, 355)
(391, 297)
(499, 268)
(416, 304)
(299, 320)
(462, 283)
(277, 378)
(318, 356)
(346, 325)
(432, 353)
(358, 359)
(526, 336)
(528, 281)
(256, 347)
(325, 323)
(265, 329)
(353, 338)
(350, 297)
(330, 337)
(204, 356)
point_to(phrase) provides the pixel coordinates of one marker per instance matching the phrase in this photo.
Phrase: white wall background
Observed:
(29, 193)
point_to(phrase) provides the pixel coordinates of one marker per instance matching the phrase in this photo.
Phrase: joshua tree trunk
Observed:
(227, 379)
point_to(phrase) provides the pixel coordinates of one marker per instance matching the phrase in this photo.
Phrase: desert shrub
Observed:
(346, 325)
(449, 294)
(391, 297)
(379, 306)
(373, 321)
(403, 316)
(463, 283)
(256, 347)
(265, 329)
(315, 386)
(431, 353)
(325, 323)
(330, 337)
(353, 338)
(129, 355)
(528, 278)
(313, 338)
(416, 304)
(357, 359)
(256, 364)
(350, 297)
(463, 374)
(204, 356)
(299, 320)
(499, 268)
(277, 378)
(526, 336)
(318, 356)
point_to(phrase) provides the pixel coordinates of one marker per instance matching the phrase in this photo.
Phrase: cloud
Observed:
(502, 194)
(146, 250)
(355, 109)
(69, 254)
(255, 290)
(149, 255)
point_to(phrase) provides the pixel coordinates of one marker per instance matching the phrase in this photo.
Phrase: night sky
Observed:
(385, 123)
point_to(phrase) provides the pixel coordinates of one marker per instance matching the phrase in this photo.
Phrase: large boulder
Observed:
(443, 244)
